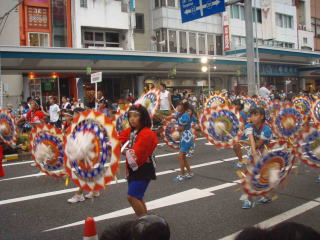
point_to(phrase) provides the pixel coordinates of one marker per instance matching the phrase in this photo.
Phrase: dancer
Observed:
(141, 143)
(257, 135)
(238, 103)
(78, 196)
(186, 141)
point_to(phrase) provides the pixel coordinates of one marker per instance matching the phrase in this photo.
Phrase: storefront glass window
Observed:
(219, 45)
(210, 44)
(39, 39)
(59, 23)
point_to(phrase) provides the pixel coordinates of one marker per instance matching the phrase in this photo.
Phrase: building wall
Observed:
(13, 87)
(10, 35)
(105, 14)
(143, 40)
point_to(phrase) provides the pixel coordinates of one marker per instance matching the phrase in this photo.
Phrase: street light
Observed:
(204, 69)
(204, 60)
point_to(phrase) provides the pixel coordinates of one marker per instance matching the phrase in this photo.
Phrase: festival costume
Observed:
(186, 136)
(140, 163)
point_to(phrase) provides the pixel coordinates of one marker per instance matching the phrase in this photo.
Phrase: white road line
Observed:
(49, 194)
(282, 217)
(170, 200)
(16, 163)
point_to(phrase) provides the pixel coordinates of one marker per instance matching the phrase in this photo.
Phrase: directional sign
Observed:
(96, 77)
(195, 9)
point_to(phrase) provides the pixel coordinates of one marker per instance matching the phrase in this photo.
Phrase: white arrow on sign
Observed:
(186, 196)
(202, 6)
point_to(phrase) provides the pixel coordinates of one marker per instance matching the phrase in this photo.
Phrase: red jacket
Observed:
(145, 144)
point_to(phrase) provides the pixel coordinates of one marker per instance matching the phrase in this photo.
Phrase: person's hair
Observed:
(252, 233)
(292, 231)
(145, 119)
(163, 85)
(150, 227)
(238, 102)
(258, 110)
(54, 98)
(29, 99)
(102, 101)
(185, 106)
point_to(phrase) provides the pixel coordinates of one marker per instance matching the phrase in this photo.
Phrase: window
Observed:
(192, 43)
(183, 42)
(172, 41)
(219, 45)
(100, 39)
(124, 6)
(171, 3)
(273, 43)
(315, 22)
(257, 12)
(202, 43)
(139, 23)
(161, 36)
(237, 12)
(156, 3)
(238, 41)
(210, 44)
(83, 3)
(284, 21)
(39, 39)
(305, 40)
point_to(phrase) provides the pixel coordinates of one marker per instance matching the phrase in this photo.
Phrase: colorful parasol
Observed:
(8, 128)
(150, 101)
(222, 125)
(288, 122)
(170, 133)
(90, 143)
(46, 145)
(215, 100)
(120, 119)
(309, 146)
(248, 103)
(302, 103)
(268, 170)
(315, 110)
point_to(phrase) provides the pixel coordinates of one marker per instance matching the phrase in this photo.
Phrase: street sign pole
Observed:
(95, 78)
(251, 78)
(96, 94)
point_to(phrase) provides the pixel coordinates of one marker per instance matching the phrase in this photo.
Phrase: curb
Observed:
(18, 157)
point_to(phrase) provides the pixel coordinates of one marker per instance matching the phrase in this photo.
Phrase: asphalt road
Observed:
(204, 207)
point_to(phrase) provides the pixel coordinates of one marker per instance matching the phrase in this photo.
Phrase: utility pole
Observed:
(251, 76)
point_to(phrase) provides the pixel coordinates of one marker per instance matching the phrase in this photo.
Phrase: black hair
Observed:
(238, 102)
(145, 119)
(163, 85)
(252, 233)
(292, 231)
(150, 227)
(185, 106)
(29, 99)
(78, 110)
(258, 110)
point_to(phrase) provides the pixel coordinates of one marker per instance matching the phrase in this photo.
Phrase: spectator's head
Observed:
(52, 100)
(34, 104)
(139, 117)
(183, 106)
(64, 99)
(29, 99)
(102, 103)
(150, 227)
(163, 86)
(257, 115)
(292, 231)
(238, 103)
(99, 94)
(68, 115)
(252, 233)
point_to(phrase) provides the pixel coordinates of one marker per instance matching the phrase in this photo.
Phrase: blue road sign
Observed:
(195, 9)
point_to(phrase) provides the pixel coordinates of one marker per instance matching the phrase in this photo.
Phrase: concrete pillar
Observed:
(140, 85)
(302, 84)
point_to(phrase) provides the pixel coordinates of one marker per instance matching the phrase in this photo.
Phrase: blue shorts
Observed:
(137, 188)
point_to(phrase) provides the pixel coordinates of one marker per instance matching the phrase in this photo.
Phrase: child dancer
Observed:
(257, 135)
(141, 143)
(186, 140)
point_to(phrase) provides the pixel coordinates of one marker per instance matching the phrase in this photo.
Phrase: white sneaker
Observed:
(91, 195)
(33, 164)
(76, 198)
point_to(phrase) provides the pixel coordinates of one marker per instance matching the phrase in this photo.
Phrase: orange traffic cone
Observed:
(90, 232)
(1, 168)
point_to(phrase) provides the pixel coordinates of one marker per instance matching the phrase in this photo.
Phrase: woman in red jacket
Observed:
(140, 144)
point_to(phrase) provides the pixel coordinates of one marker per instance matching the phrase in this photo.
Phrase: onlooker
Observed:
(102, 108)
(148, 227)
(165, 100)
(176, 97)
(65, 103)
(54, 112)
(264, 92)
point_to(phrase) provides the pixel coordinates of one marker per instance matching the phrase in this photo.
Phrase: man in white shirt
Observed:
(165, 100)
(54, 112)
(264, 92)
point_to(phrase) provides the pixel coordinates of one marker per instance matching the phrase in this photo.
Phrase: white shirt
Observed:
(54, 112)
(66, 105)
(164, 101)
(264, 92)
